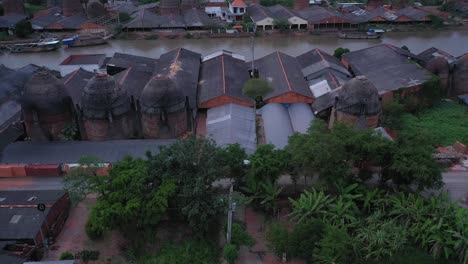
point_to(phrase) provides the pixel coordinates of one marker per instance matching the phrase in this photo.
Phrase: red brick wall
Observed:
(372, 121)
(178, 123)
(150, 125)
(96, 130)
(51, 125)
(290, 97)
(222, 100)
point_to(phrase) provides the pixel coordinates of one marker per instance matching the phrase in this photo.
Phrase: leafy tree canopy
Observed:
(193, 164)
(339, 52)
(256, 89)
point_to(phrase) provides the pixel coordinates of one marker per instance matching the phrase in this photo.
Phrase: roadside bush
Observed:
(278, 236)
(304, 237)
(66, 255)
(392, 113)
(23, 29)
(436, 22)
(88, 255)
(92, 230)
(189, 252)
(240, 237)
(339, 52)
(230, 253)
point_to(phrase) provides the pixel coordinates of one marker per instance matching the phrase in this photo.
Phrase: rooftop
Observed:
(388, 67)
(222, 75)
(72, 151)
(283, 72)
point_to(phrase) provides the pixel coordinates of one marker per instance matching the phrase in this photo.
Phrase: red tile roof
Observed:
(238, 3)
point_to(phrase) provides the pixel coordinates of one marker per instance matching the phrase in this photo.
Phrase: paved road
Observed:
(457, 185)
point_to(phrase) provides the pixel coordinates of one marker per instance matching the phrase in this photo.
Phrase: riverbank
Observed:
(201, 34)
(451, 41)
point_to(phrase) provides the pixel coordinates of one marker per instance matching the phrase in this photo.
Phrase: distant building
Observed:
(237, 9)
(261, 16)
(294, 18)
(24, 226)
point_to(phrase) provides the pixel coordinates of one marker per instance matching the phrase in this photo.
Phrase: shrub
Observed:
(240, 237)
(392, 113)
(92, 230)
(230, 253)
(334, 247)
(23, 29)
(66, 255)
(193, 251)
(87, 255)
(278, 237)
(339, 52)
(124, 17)
(304, 237)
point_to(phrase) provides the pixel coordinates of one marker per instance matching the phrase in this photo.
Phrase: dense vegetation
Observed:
(360, 225)
(341, 219)
(447, 122)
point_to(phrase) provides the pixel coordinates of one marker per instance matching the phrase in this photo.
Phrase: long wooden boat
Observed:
(84, 40)
(40, 45)
(355, 35)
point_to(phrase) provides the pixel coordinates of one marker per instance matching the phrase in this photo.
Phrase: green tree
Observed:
(267, 163)
(304, 238)
(405, 48)
(281, 24)
(233, 156)
(334, 248)
(412, 162)
(69, 132)
(193, 164)
(277, 238)
(256, 89)
(392, 113)
(84, 179)
(131, 200)
(230, 253)
(311, 205)
(23, 29)
(340, 51)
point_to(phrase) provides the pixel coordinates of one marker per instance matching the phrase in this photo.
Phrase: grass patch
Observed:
(446, 122)
(33, 9)
(193, 251)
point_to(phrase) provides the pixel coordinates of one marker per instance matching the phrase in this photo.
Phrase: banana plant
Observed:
(311, 205)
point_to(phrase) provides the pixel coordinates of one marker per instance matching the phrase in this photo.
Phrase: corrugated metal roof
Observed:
(281, 121)
(301, 116)
(72, 151)
(232, 123)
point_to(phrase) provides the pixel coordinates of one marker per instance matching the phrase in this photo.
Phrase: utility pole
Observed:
(231, 209)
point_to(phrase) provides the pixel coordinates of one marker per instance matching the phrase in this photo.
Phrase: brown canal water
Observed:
(454, 42)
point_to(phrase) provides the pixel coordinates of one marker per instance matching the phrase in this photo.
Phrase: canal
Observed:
(454, 42)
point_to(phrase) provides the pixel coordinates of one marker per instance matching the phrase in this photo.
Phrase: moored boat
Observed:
(40, 45)
(358, 35)
(84, 40)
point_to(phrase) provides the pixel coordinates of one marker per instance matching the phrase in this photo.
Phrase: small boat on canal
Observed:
(370, 34)
(41, 45)
(84, 40)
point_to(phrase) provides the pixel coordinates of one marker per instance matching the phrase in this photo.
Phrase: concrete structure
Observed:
(237, 9)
